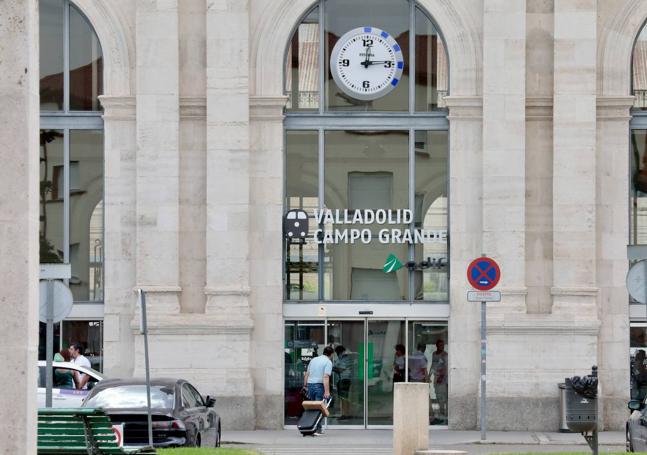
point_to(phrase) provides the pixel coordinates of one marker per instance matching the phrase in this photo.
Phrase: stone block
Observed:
(410, 417)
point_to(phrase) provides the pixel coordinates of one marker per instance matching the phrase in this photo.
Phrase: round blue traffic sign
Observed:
(483, 273)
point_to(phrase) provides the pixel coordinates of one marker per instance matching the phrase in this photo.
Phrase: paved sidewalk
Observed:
(360, 442)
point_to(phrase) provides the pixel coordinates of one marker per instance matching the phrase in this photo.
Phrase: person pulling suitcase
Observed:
(317, 380)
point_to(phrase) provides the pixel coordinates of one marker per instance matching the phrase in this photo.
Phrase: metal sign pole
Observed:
(144, 330)
(49, 345)
(483, 358)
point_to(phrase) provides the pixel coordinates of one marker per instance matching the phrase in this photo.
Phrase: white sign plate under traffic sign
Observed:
(483, 296)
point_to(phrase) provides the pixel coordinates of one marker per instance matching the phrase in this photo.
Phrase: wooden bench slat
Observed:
(63, 431)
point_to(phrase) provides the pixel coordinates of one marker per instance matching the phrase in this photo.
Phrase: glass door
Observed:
(371, 355)
(385, 365)
(349, 372)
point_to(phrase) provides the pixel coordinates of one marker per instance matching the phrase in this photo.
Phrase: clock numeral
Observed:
(345, 62)
(366, 84)
(367, 42)
(388, 64)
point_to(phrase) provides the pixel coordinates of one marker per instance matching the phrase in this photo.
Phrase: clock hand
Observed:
(367, 61)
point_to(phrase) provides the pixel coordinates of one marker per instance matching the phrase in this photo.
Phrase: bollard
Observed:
(410, 417)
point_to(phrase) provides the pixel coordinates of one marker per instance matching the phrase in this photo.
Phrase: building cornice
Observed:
(193, 107)
(267, 107)
(231, 291)
(543, 325)
(118, 107)
(539, 108)
(464, 107)
(614, 107)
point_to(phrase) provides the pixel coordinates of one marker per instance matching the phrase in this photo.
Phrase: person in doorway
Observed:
(343, 369)
(76, 352)
(439, 365)
(317, 379)
(418, 365)
(399, 364)
(639, 376)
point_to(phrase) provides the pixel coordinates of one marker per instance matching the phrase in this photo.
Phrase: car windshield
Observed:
(131, 396)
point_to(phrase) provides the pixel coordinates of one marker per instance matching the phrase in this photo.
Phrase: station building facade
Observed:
(275, 187)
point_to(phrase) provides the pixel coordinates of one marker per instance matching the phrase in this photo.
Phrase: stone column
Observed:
(228, 203)
(465, 211)
(266, 191)
(504, 130)
(228, 199)
(539, 155)
(19, 224)
(574, 160)
(504, 188)
(120, 232)
(158, 164)
(612, 233)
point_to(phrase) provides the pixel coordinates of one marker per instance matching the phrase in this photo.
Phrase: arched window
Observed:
(71, 155)
(358, 155)
(638, 195)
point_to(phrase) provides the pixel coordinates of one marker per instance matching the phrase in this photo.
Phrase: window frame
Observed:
(322, 120)
(66, 121)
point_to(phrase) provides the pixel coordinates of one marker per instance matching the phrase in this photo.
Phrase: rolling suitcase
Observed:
(313, 412)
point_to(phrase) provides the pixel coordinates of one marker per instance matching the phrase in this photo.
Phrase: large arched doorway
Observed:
(375, 289)
(72, 168)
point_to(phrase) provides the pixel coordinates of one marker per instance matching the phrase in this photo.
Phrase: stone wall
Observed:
(538, 111)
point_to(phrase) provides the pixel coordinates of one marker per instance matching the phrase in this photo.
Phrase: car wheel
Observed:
(629, 445)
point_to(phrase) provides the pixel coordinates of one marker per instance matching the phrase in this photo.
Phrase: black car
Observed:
(180, 415)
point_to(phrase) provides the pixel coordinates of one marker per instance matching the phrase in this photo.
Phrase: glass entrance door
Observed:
(371, 355)
(363, 370)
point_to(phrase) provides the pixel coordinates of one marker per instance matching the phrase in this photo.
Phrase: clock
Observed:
(366, 63)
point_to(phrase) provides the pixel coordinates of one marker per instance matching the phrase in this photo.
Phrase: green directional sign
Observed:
(392, 264)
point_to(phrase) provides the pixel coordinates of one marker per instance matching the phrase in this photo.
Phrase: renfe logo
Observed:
(295, 225)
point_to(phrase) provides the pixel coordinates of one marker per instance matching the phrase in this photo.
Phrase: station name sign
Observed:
(335, 226)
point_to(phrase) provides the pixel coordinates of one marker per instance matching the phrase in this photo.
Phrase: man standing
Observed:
(317, 378)
(76, 352)
(439, 364)
(418, 365)
(343, 368)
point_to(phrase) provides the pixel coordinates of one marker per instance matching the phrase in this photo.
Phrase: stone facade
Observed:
(539, 108)
(19, 224)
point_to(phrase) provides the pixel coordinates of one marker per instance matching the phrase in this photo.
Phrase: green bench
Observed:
(69, 431)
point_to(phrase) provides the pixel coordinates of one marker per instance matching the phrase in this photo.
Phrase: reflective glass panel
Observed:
(639, 66)
(638, 187)
(304, 340)
(429, 362)
(86, 214)
(302, 181)
(430, 213)
(365, 171)
(349, 368)
(51, 28)
(386, 356)
(52, 196)
(638, 362)
(302, 65)
(432, 77)
(86, 64)
(90, 335)
(42, 342)
(391, 16)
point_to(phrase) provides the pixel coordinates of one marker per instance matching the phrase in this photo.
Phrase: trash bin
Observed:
(581, 410)
(563, 428)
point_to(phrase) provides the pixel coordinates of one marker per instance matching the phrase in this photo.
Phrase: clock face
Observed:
(366, 63)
